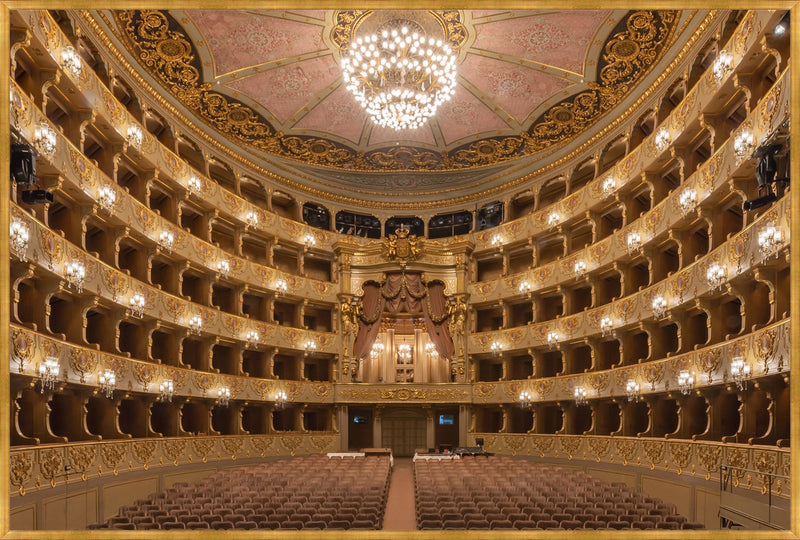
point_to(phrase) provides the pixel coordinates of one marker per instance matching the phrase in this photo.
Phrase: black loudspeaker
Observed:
(23, 164)
(37, 196)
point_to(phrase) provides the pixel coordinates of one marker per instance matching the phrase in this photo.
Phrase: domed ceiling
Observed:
(529, 83)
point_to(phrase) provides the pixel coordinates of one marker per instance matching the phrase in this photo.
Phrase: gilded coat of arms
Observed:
(402, 246)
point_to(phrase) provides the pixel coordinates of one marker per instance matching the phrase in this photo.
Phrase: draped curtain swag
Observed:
(403, 293)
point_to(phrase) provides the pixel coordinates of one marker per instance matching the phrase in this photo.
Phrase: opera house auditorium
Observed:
(398, 270)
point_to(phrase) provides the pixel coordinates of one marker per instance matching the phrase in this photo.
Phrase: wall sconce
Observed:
(251, 219)
(497, 241)
(252, 338)
(740, 371)
(525, 288)
(659, 307)
(166, 390)
(723, 65)
(685, 382)
(48, 373)
(606, 326)
(107, 198)
(769, 239)
(71, 60)
(579, 269)
(580, 395)
(632, 391)
(45, 140)
(496, 348)
(609, 185)
(108, 382)
(76, 275)
(20, 235)
(687, 200)
(194, 185)
(195, 325)
(634, 242)
(716, 275)
(526, 400)
(135, 137)
(224, 396)
(743, 144)
(430, 350)
(137, 305)
(280, 399)
(223, 268)
(552, 340)
(281, 287)
(553, 219)
(166, 241)
(662, 139)
(377, 350)
(309, 241)
(310, 347)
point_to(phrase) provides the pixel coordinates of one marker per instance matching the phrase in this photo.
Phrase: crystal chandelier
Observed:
(48, 372)
(107, 198)
(740, 372)
(195, 325)
(769, 238)
(743, 144)
(553, 219)
(632, 390)
(137, 304)
(45, 140)
(525, 399)
(404, 352)
(19, 239)
(224, 396)
(75, 274)
(280, 399)
(309, 241)
(580, 395)
(108, 382)
(166, 390)
(377, 350)
(135, 137)
(685, 382)
(399, 76)
(497, 241)
(496, 348)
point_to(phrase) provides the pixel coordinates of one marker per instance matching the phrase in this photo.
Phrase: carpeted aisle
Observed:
(400, 502)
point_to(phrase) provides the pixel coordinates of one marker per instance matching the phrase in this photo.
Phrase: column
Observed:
(377, 438)
(343, 424)
(430, 428)
(463, 424)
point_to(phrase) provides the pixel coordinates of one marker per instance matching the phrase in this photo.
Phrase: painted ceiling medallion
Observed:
(527, 81)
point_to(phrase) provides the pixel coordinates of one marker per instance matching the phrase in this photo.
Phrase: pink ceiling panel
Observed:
(284, 90)
(338, 114)
(383, 136)
(313, 13)
(517, 89)
(238, 39)
(480, 13)
(556, 39)
(466, 115)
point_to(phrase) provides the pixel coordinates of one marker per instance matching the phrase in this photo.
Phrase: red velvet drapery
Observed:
(404, 293)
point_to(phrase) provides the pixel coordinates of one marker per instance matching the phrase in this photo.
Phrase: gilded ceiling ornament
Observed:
(163, 47)
(402, 246)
